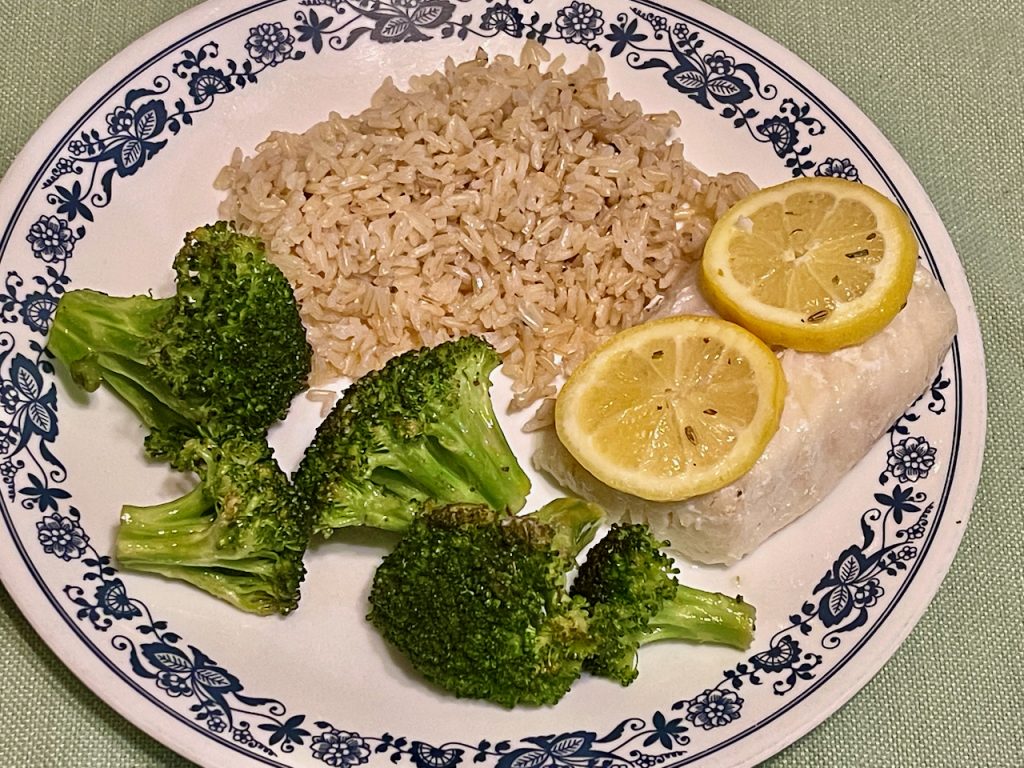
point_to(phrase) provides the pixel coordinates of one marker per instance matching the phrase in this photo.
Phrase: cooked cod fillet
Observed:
(837, 406)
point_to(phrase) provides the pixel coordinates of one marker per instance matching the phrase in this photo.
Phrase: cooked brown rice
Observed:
(523, 203)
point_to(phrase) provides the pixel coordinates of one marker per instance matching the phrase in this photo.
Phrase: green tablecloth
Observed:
(943, 80)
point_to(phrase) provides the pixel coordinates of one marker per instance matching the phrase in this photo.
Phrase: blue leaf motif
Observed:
(729, 90)
(166, 658)
(569, 744)
(849, 566)
(431, 14)
(688, 79)
(43, 419)
(836, 606)
(150, 120)
(129, 157)
(392, 30)
(524, 758)
(216, 678)
(26, 378)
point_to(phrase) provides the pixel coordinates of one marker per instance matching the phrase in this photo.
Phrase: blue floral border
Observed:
(81, 181)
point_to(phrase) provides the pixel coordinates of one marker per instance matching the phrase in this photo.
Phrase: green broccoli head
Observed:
(476, 599)
(421, 429)
(630, 587)
(240, 534)
(225, 355)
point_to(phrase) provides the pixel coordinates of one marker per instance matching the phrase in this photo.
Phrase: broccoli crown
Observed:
(421, 429)
(476, 599)
(225, 355)
(240, 534)
(630, 586)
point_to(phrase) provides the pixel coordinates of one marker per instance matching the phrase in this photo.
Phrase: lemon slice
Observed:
(814, 264)
(672, 408)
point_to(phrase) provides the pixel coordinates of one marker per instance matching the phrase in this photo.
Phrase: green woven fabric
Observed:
(942, 79)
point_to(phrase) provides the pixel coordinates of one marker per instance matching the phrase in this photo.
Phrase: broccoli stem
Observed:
(424, 469)
(154, 403)
(109, 338)
(87, 321)
(483, 454)
(173, 533)
(702, 617)
(238, 587)
(179, 539)
(370, 507)
(575, 523)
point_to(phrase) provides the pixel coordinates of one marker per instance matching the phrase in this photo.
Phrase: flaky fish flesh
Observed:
(836, 408)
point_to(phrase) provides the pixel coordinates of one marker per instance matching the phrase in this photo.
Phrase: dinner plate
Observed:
(101, 197)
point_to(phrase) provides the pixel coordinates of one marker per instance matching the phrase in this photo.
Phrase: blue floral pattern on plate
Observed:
(81, 182)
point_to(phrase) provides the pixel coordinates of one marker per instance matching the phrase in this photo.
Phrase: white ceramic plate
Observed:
(101, 197)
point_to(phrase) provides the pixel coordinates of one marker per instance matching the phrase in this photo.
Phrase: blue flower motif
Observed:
(207, 83)
(112, 598)
(781, 133)
(503, 18)
(46, 497)
(51, 239)
(174, 684)
(427, 756)
(312, 29)
(782, 654)
(911, 459)
(287, 732)
(902, 501)
(866, 594)
(340, 748)
(838, 168)
(579, 22)
(623, 36)
(668, 733)
(121, 120)
(720, 64)
(37, 311)
(714, 708)
(269, 43)
(71, 203)
(62, 536)
(217, 724)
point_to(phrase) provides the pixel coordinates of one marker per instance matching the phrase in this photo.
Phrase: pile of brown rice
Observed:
(520, 202)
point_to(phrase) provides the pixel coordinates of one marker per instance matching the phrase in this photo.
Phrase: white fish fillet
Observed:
(837, 406)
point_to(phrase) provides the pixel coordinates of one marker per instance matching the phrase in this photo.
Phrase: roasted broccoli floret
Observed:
(421, 429)
(476, 599)
(630, 587)
(223, 356)
(240, 534)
